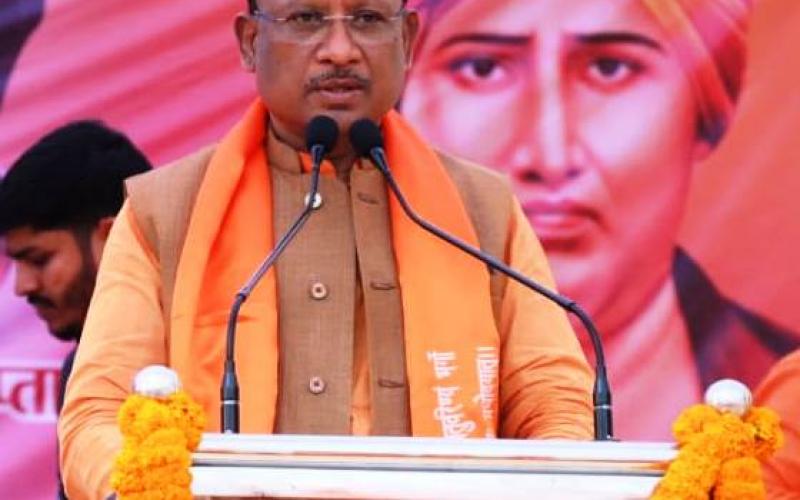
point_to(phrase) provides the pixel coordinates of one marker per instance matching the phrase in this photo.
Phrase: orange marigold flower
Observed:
(691, 422)
(159, 436)
(739, 490)
(731, 437)
(747, 469)
(189, 416)
(768, 434)
(719, 455)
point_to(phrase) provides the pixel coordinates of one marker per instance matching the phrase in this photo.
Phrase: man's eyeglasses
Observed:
(366, 26)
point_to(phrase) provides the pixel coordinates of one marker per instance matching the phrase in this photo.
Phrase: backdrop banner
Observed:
(652, 145)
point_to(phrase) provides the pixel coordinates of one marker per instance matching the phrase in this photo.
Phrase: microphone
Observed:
(367, 141)
(322, 133)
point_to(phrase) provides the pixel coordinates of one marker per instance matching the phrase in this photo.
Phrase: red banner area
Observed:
(706, 287)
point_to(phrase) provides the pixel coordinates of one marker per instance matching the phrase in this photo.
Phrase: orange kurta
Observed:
(544, 379)
(780, 390)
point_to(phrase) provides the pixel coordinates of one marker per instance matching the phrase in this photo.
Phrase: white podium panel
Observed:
(345, 467)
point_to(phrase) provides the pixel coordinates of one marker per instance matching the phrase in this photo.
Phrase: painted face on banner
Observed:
(306, 64)
(586, 108)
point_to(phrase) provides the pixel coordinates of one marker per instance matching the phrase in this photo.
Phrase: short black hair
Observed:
(70, 178)
(252, 5)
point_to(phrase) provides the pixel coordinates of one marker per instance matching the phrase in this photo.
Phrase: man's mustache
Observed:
(320, 82)
(38, 300)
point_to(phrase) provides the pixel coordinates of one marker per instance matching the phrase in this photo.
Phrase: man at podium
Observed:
(367, 325)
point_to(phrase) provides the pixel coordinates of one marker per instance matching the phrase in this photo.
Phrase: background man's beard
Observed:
(78, 294)
(77, 298)
(69, 332)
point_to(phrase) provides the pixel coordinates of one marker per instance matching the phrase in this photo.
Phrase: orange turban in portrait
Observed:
(708, 36)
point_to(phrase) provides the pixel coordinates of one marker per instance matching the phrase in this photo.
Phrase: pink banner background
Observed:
(167, 74)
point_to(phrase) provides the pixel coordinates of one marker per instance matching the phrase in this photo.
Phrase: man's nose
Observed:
(26, 281)
(338, 46)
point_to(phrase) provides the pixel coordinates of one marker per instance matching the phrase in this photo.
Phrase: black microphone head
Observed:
(323, 131)
(365, 136)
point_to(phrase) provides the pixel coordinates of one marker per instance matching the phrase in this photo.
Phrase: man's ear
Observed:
(410, 32)
(99, 236)
(246, 29)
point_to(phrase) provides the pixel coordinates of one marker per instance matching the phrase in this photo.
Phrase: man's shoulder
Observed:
(487, 197)
(477, 184)
(162, 200)
(461, 169)
(486, 193)
(189, 166)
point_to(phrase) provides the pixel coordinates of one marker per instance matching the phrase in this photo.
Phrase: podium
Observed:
(348, 467)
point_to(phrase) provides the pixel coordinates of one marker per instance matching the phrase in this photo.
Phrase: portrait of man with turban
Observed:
(600, 111)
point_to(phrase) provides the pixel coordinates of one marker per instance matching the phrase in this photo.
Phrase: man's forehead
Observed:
(329, 4)
(27, 238)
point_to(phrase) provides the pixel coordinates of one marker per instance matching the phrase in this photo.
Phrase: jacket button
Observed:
(318, 291)
(316, 385)
(317, 200)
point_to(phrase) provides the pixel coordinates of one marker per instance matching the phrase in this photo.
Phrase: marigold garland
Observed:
(159, 438)
(719, 454)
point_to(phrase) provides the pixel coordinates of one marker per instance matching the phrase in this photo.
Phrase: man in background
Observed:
(57, 204)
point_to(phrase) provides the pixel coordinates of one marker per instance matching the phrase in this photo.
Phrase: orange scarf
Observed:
(451, 339)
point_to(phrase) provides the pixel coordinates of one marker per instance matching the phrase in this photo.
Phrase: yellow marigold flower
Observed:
(159, 436)
(168, 493)
(737, 490)
(189, 416)
(768, 434)
(167, 437)
(732, 438)
(691, 422)
(678, 491)
(719, 455)
(128, 411)
(746, 469)
(691, 475)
